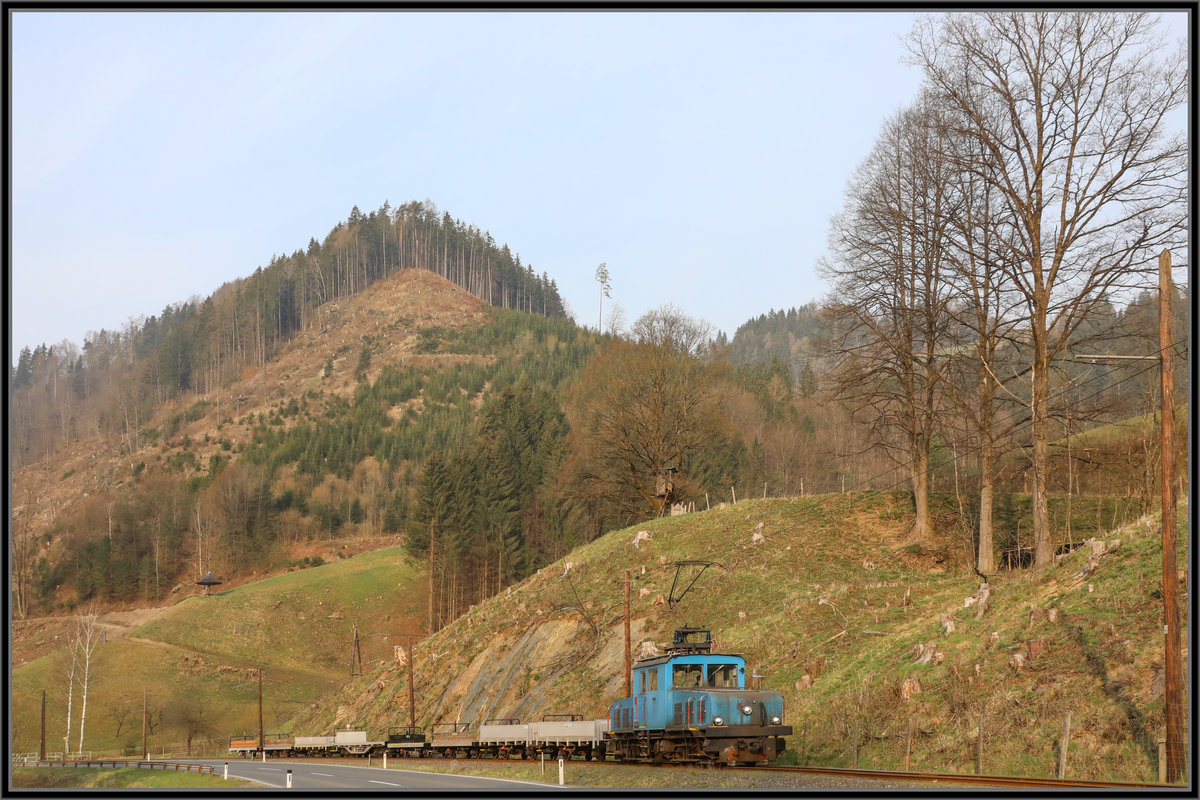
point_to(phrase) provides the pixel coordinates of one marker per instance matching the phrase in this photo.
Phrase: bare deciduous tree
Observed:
(120, 715)
(73, 649)
(86, 638)
(206, 528)
(985, 308)
(24, 552)
(616, 319)
(891, 295)
(189, 715)
(1072, 110)
(670, 327)
(640, 407)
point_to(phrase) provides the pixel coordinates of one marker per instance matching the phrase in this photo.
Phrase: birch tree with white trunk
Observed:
(87, 637)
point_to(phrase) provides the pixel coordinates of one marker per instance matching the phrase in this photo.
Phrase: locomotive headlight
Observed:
(718, 720)
(747, 710)
(776, 720)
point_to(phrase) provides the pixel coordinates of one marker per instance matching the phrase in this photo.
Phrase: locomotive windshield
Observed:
(713, 676)
(685, 676)
(722, 676)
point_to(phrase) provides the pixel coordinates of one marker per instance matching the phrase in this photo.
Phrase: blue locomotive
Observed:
(693, 705)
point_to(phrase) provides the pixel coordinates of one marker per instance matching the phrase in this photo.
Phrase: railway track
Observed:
(990, 781)
(994, 781)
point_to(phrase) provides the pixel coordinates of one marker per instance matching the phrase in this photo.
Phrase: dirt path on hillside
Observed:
(195, 659)
(36, 637)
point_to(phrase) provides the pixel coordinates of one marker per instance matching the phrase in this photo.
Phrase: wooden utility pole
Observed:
(355, 656)
(42, 747)
(412, 705)
(145, 752)
(260, 729)
(1173, 701)
(628, 661)
(1173, 694)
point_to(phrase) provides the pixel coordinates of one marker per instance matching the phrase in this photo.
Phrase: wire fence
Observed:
(155, 751)
(1081, 745)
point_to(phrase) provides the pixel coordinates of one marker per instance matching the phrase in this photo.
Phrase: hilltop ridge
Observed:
(387, 318)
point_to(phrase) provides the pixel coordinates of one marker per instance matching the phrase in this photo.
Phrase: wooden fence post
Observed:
(908, 744)
(979, 748)
(856, 724)
(1062, 751)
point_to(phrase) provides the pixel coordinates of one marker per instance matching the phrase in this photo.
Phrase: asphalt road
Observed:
(273, 774)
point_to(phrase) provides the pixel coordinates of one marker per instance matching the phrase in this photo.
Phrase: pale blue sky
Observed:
(700, 155)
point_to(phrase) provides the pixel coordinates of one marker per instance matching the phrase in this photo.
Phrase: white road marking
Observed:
(385, 783)
(272, 769)
(502, 780)
(323, 774)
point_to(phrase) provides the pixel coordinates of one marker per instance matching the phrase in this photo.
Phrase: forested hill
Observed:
(325, 441)
(112, 385)
(788, 336)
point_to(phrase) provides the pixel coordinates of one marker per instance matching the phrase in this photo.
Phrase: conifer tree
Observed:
(427, 524)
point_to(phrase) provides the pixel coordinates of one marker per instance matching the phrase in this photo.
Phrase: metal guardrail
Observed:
(19, 759)
(201, 769)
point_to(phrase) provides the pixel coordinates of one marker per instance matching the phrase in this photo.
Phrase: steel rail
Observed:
(998, 781)
(987, 780)
(940, 777)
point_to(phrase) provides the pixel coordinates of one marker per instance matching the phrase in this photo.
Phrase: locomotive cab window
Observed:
(649, 680)
(686, 676)
(722, 676)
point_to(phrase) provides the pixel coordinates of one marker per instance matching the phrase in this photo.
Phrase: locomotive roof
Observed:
(692, 658)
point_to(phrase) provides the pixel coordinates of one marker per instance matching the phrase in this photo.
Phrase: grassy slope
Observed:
(822, 595)
(555, 643)
(206, 650)
(95, 778)
(315, 609)
(1132, 429)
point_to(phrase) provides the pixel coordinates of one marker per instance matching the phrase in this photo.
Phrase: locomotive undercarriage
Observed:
(517, 752)
(723, 745)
